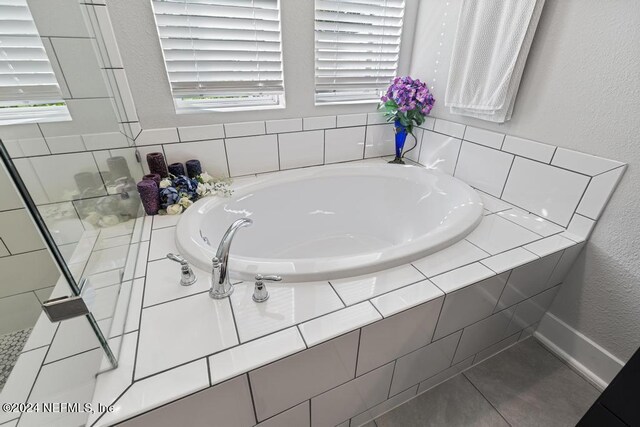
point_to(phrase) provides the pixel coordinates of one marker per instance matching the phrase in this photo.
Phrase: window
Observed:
(357, 48)
(29, 91)
(221, 54)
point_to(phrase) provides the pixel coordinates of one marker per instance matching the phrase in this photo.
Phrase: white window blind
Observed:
(29, 91)
(221, 53)
(357, 48)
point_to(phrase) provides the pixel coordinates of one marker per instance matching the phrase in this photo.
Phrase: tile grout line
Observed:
(506, 282)
(435, 327)
(144, 291)
(464, 374)
(453, 358)
(575, 210)
(355, 373)
(610, 170)
(506, 180)
(113, 402)
(41, 366)
(455, 166)
(233, 316)
(393, 373)
(302, 336)
(209, 371)
(253, 401)
(338, 294)
(553, 155)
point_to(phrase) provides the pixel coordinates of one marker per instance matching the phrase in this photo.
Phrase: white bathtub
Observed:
(332, 221)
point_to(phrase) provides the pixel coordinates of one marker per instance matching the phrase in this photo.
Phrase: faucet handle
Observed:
(176, 258)
(187, 277)
(260, 293)
(272, 278)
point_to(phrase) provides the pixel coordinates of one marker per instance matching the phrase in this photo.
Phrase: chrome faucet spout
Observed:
(221, 287)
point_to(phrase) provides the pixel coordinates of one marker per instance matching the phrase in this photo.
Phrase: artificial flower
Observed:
(174, 209)
(185, 202)
(180, 192)
(168, 196)
(202, 189)
(407, 101)
(205, 177)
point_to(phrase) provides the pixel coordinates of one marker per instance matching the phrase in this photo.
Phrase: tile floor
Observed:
(524, 385)
(10, 347)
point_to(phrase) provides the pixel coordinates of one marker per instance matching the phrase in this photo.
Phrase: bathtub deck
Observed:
(198, 345)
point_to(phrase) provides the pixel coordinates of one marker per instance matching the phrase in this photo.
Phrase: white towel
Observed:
(489, 54)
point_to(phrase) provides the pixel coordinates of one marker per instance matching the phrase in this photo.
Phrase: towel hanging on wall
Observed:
(489, 54)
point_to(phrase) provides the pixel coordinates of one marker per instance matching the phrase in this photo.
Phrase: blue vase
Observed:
(401, 137)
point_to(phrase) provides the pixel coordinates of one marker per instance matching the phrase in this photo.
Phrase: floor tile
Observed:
(380, 409)
(453, 403)
(532, 387)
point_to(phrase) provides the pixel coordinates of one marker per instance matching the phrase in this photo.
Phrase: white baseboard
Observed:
(583, 354)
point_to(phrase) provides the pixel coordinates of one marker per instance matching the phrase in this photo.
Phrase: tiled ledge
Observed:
(504, 273)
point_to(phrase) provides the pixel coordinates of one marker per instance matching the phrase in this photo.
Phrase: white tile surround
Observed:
(390, 335)
(503, 276)
(487, 276)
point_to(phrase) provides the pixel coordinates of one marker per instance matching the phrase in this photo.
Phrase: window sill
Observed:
(19, 116)
(366, 101)
(196, 110)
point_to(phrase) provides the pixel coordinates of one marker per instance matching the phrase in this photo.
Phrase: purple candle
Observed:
(157, 164)
(193, 168)
(153, 177)
(149, 195)
(176, 169)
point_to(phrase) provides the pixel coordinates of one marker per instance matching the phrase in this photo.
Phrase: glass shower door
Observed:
(71, 222)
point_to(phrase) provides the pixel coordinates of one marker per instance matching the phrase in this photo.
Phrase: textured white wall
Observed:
(580, 90)
(140, 49)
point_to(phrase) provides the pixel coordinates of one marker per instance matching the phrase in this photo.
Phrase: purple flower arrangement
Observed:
(407, 102)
